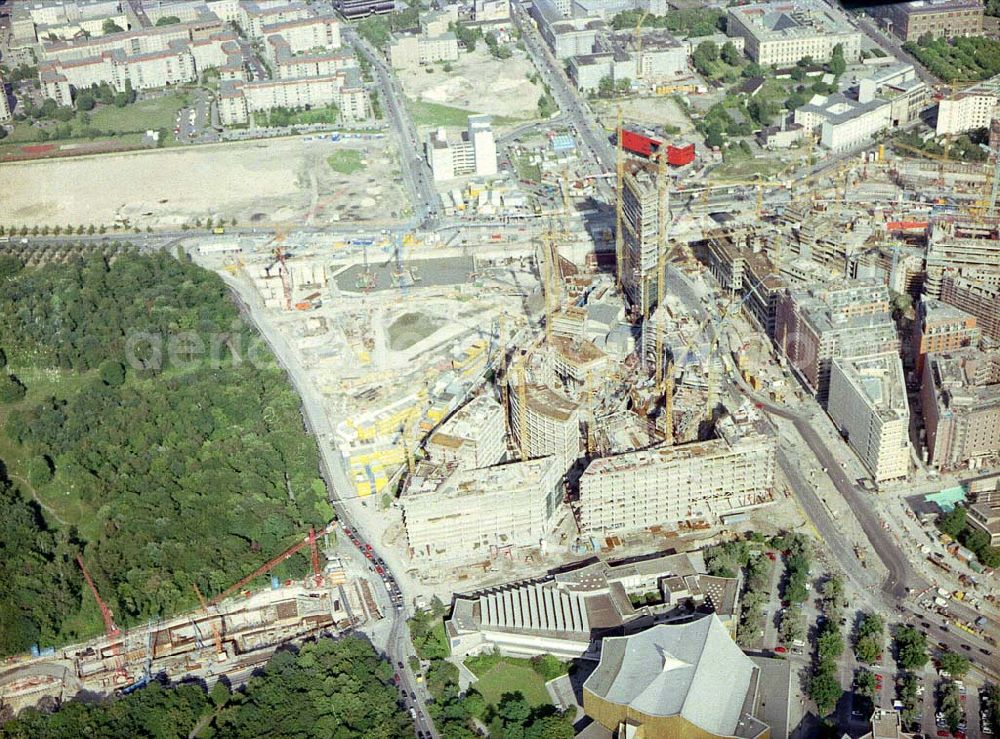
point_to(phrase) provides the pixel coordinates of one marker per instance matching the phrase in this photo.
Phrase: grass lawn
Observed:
(435, 115)
(526, 170)
(746, 169)
(143, 115)
(505, 677)
(345, 161)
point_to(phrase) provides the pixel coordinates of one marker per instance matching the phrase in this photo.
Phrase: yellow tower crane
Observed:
(619, 236)
(220, 652)
(522, 409)
(638, 45)
(411, 461)
(668, 403)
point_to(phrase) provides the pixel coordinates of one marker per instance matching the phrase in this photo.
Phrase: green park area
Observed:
(346, 161)
(498, 675)
(121, 122)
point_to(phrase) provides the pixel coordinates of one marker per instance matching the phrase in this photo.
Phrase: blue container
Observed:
(275, 583)
(34, 650)
(47, 652)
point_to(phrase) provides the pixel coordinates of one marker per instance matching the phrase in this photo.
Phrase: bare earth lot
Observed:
(478, 83)
(263, 182)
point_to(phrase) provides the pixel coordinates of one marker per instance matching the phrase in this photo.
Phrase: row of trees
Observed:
(869, 638)
(958, 59)
(329, 688)
(955, 524)
(686, 22)
(824, 685)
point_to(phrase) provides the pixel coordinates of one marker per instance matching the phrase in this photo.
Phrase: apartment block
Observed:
(964, 244)
(965, 112)
(38, 19)
(781, 33)
(473, 152)
(939, 18)
(669, 485)
(550, 421)
(569, 30)
(941, 328)
(319, 31)
(5, 108)
(978, 297)
(454, 516)
(750, 274)
(815, 325)
(644, 207)
(960, 397)
(238, 100)
(413, 50)
(474, 436)
(320, 63)
(868, 404)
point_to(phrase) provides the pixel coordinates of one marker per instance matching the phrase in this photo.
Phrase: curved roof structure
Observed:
(693, 670)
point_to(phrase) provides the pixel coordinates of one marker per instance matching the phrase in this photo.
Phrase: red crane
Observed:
(309, 540)
(110, 628)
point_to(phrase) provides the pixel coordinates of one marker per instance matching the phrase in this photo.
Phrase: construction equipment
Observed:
(309, 540)
(112, 631)
(407, 440)
(280, 256)
(619, 236)
(522, 408)
(220, 652)
(668, 404)
(638, 45)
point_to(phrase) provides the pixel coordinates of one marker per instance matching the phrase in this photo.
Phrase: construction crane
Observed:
(619, 236)
(411, 462)
(280, 256)
(112, 630)
(588, 389)
(668, 403)
(309, 540)
(220, 652)
(638, 45)
(522, 408)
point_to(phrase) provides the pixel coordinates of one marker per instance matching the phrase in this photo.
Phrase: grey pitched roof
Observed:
(694, 670)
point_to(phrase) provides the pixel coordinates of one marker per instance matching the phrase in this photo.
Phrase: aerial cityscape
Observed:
(531, 369)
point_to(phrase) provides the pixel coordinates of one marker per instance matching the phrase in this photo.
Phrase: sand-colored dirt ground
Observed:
(261, 182)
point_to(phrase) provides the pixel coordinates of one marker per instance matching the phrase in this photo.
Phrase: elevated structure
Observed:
(472, 437)
(941, 328)
(643, 209)
(473, 152)
(816, 324)
(548, 425)
(568, 613)
(676, 680)
(672, 485)
(783, 32)
(938, 18)
(457, 516)
(868, 404)
(960, 398)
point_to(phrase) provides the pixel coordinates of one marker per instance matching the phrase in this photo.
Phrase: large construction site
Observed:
(588, 383)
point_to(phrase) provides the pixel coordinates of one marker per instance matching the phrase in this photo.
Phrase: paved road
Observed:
(332, 466)
(562, 91)
(417, 174)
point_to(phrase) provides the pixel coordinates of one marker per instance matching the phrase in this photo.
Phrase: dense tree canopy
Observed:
(337, 689)
(185, 469)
